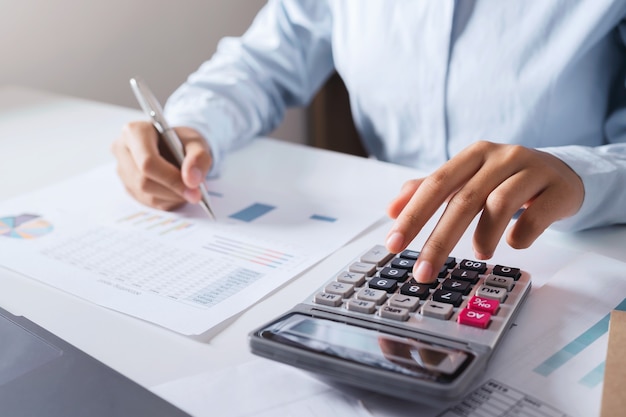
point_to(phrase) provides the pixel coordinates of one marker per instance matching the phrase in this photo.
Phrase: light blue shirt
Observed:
(427, 78)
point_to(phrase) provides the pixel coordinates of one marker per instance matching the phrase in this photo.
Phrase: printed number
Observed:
(473, 264)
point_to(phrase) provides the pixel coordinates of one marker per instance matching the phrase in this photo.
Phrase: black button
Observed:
(384, 284)
(450, 297)
(394, 273)
(463, 287)
(507, 271)
(470, 265)
(409, 254)
(443, 272)
(414, 289)
(403, 263)
(465, 275)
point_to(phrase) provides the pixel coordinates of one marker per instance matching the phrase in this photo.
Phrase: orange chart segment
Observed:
(25, 226)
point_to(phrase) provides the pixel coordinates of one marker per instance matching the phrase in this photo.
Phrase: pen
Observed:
(153, 109)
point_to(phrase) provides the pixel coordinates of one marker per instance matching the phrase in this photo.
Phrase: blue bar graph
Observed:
(594, 377)
(323, 218)
(577, 345)
(252, 212)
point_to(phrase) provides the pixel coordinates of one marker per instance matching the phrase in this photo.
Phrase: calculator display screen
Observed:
(408, 356)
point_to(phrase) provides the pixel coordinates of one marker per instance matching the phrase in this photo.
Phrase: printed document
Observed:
(180, 270)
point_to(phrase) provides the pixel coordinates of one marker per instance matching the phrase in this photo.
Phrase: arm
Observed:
(570, 188)
(243, 91)
(602, 169)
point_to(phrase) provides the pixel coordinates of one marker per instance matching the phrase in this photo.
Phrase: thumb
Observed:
(197, 163)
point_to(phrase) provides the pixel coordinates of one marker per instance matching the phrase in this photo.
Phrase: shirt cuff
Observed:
(598, 175)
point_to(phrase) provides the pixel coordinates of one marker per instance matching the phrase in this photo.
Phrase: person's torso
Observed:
(427, 78)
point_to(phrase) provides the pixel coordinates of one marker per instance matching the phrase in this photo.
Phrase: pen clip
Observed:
(149, 104)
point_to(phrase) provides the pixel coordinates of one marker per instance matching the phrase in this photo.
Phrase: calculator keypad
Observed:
(381, 284)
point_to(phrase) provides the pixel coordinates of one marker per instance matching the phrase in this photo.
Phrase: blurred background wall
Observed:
(90, 49)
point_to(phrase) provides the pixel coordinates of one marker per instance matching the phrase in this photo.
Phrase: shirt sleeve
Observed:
(603, 172)
(601, 168)
(244, 89)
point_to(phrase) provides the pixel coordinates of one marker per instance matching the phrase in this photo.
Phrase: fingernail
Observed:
(195, 176)
(423, 272)
(395, 242)
(481, 256)
(191, 195)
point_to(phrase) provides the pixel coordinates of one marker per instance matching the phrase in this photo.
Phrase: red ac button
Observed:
(474, 318)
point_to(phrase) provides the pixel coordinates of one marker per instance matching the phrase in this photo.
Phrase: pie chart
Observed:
(24, 226)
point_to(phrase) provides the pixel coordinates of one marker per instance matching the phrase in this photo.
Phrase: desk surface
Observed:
(46, 138)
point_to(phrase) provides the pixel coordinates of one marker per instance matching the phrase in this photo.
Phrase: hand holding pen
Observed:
(156, 171)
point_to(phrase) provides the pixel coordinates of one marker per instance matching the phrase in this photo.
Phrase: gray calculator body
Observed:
(424, 345)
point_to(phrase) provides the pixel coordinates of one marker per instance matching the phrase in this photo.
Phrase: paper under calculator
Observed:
(373, 326)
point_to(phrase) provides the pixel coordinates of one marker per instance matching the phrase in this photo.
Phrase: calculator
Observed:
(374, 327)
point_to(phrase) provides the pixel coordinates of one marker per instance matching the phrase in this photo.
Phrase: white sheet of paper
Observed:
(176, 269)
(553, 358)
(259, 388)
(557, 350)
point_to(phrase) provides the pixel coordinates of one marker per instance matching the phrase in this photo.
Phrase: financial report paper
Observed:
(180, 269)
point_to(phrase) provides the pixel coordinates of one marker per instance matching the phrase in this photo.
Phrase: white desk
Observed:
(45, 138)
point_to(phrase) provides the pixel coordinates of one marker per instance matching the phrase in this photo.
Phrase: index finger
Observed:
(429, 196)
(143, 145)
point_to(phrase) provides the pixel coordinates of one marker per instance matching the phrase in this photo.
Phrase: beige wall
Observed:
(90, 49)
